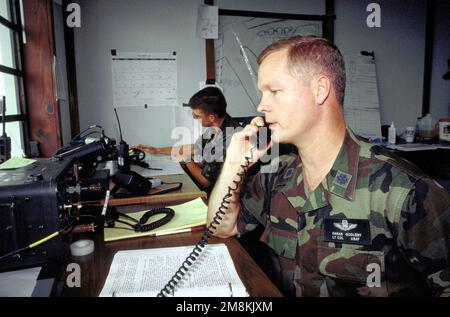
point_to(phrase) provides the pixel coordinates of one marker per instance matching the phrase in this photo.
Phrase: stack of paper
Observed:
(146, 272)
(188, 215)
(413, 147)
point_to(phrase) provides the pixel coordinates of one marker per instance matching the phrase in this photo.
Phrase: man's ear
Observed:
(322, 88)
(212, 117)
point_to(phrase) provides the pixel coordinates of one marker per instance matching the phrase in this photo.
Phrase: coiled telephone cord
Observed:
(201, 244)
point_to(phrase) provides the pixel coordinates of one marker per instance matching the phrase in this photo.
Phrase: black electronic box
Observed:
(33, 205)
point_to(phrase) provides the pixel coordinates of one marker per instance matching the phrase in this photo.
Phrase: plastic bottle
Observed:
(392, 134)
(426, 126)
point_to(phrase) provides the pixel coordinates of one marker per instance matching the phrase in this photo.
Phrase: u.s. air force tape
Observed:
(82, 247)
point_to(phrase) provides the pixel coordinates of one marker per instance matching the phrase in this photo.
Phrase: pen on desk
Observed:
(193, 229)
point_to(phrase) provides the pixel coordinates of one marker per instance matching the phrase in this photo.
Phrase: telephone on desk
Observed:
(260, 140)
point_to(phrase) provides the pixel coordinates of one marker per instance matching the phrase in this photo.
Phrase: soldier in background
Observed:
(341, 217)
(203, 159)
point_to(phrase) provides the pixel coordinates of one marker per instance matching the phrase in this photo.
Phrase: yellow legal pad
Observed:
(188, 215)
(16, 162)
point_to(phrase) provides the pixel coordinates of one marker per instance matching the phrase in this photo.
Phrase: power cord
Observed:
(39, 242)
(141, 224)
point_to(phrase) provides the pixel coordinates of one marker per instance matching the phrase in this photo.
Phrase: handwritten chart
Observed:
(241, 39)
(144, 79)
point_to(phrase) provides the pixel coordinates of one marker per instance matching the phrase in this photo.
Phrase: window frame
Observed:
(16, 27)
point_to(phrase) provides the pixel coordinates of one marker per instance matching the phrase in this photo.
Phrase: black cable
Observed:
(136, 155)
(39, 242)
(85, 130)
(174, 183)
(201, 244)
(167, 190)
(141, 224)
(92, 132)
(142, 227)
(118, 122)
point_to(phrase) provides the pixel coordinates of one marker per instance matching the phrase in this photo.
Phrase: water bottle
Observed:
(392, 134)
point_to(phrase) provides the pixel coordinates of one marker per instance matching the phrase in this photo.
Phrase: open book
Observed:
(146, 272)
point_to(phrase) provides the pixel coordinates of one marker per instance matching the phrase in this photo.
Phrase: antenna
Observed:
(3, 115)
(5, 141)
(124, 177)
(118, 122)
(123, 158)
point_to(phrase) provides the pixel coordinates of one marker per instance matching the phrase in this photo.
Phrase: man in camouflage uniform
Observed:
(342, 217)
(204, 159)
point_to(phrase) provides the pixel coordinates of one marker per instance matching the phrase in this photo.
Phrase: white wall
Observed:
(399, 46)
(169, 25)
(440, 88)
(146, 26)
(135, 26)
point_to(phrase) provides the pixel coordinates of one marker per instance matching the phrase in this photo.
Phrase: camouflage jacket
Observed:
(376, 226)
(210, 148)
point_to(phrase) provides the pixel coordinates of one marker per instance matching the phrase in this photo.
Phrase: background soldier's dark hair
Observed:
(210, 100)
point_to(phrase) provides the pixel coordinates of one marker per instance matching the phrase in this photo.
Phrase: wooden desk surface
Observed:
(95, 267)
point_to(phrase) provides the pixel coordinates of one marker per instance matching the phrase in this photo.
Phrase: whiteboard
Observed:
(241, 39)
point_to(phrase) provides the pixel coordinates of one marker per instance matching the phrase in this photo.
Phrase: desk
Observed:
(434, 162)
(95, 267)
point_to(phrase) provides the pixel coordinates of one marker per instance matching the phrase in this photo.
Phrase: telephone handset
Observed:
(263, 137)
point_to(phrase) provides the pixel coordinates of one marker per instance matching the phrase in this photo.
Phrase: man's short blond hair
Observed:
(309, 56)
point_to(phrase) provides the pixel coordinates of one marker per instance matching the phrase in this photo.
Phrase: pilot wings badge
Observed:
(344, 225)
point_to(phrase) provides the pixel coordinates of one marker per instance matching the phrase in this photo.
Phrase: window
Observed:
(11, 75)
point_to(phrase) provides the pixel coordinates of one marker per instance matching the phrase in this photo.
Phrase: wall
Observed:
(145, 26)
(440, 88)
(135, 26)
(158, 26)
(399, 46)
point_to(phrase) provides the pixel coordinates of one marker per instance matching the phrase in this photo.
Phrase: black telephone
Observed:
(264, 135)
(263, 138)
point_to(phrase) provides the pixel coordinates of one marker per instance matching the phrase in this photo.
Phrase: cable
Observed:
(141, 225)
(39, 242)
(85, 130)
(136, 154)
(201, 244)
(118, 122)
(174, 183)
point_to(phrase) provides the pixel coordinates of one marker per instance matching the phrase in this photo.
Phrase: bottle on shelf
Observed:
(392, 134)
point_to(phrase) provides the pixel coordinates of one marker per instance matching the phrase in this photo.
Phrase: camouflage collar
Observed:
(341, 180)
